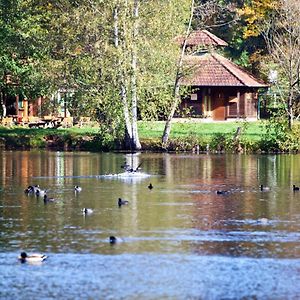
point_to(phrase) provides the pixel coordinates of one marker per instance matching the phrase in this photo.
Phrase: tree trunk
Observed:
(290, 111)
(135, 143)
(176, 95)
(121, 79)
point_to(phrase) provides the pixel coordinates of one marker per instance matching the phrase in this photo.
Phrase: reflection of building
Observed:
(221, 90)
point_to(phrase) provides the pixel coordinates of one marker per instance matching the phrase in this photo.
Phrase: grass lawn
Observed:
(250, 130)
(18, 130)
(153, 130)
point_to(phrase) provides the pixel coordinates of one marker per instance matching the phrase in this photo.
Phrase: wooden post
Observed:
(39, 106)
(238, 104)
(17, 105)
(25, 103)
(65, 105)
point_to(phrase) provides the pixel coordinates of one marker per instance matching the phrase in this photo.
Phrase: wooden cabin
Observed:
(19, 110)
(219, 89)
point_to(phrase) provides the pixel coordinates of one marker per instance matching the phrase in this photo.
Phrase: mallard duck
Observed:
(114, 239)
(32, 258)
(87, 211)
(296, 188)
(150, 186)
(77, 188)
(122, 202)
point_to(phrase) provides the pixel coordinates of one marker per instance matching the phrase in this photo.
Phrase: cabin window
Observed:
(194, 97)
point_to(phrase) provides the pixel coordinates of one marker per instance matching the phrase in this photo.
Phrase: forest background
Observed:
(120, 62)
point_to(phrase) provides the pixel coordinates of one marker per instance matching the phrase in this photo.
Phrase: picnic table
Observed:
(44, 122)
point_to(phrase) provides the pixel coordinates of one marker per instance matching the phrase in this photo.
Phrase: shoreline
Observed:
(92, 143)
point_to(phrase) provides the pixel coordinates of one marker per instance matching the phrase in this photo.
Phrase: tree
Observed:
(122, 54)
(282, 34)
(21, 47)
(204, 11)
(179, 72)
(152, 57)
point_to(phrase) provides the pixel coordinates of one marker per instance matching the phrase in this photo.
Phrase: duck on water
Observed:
(32, 258)
(122, 202)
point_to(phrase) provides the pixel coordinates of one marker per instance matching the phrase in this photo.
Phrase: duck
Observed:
(130, 169)
(296, 188)
(150, 186)
(46, 199)
(114, 239)
(40, 193)
(33, 258)
(264, 188)
(222, 192)
(87, 211)
(29, 190)
(35, 188)
(122, 202)
(77, 188)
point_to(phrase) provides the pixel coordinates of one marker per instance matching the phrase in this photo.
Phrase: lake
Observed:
(205, 231)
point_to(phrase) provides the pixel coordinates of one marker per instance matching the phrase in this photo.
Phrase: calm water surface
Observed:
(181, 240)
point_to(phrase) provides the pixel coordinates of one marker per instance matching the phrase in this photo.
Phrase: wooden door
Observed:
(219, 107)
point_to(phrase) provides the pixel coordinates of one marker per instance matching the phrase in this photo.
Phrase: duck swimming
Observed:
(40, 193)
(77, 188)
(114, 240)
(122, 202)
(36, 188)
(33, 258)
(29, 190)
(264, 188)
(87, 211)
(222, 192)
(46, 199)
(296, 188)
(150, 186)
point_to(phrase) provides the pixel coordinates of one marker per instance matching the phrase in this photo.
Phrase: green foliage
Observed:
(278, 136)
(22, 45)
(190, 143)
(291, 143)
(220, 142)
(255, 137)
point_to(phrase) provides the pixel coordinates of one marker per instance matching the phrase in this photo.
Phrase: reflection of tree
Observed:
(133, 161)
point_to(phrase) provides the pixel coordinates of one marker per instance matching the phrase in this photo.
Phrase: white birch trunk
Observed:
(135, 143)
(176, 94)
(123, 93)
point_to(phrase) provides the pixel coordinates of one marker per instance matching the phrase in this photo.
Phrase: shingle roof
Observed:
(215, 70)
(202, 38)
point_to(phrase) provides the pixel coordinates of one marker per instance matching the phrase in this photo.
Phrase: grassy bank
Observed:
(63, 139)
(185, 136)
(219, 136)
(251, 130)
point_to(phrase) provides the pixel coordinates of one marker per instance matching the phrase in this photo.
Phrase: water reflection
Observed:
(182, 213)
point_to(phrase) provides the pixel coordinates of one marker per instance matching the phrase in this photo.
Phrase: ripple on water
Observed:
(151, 276)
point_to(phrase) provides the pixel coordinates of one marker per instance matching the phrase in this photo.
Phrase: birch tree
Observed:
(179, 72)
(204, 12)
